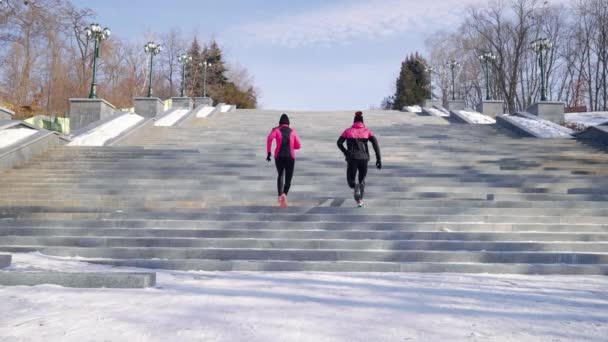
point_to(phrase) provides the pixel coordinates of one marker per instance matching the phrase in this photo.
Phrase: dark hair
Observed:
(359, 116)
(284, 120)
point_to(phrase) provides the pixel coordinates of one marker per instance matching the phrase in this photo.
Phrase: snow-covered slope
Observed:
(205, 111)
(104, 133)
(587, 119)
(476, 118)
(172, 119)
(543, 128)
(413, 109)
(12, 136)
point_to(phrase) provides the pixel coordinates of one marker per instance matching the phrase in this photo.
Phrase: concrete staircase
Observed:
(452, 198)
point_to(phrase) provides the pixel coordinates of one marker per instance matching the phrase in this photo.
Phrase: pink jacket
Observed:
(275, 134)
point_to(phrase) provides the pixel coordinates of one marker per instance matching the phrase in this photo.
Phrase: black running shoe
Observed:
(358, 193)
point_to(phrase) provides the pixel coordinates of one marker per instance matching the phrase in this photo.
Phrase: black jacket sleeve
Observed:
(341, 141)
(374, 142)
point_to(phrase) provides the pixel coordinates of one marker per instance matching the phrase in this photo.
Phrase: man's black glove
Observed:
(269, 157)
(379, 164)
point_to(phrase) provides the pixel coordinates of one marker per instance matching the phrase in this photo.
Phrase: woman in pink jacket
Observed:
(287, 142)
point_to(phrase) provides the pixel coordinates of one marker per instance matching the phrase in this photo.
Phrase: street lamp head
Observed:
(487, 57)
(94, 31)
(541, 44)
(153, 48)
(184, 58)
(453, 64)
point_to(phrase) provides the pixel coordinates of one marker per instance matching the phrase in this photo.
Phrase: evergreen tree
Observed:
(194, 71)
(215, 73)
(413, 85)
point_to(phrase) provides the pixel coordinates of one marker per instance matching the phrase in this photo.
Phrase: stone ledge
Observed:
(86, 100)
(596, 134)
(145, 124)
(110, 280)
(181, 102)
(5, 260)
(35, 145)
(6, 114)
(504, 122)
(148, 107)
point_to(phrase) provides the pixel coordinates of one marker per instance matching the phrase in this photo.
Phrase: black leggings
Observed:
(354, 166)
(285, 168)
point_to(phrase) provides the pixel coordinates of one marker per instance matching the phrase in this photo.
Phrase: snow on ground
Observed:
(204, 112)
(102, 134)
(172, 119)
(543, 128)
(413, 109)
(225, 108)
(477, 118)
(437, 112)
(12, 136)
(239, 306)
(587, 119)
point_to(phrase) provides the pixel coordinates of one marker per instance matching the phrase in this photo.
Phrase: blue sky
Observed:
(303, 55)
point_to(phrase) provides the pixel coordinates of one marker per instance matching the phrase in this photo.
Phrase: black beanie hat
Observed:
(358, 117)
(284, 120)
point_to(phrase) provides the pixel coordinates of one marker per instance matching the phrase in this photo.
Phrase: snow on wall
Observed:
(413, 109)
(172, 119)
(587, 119)
(226, 108)
(12, 136)
(437, 112)
(477, 118)
(543, 128)
(205, 111)
(110, 130)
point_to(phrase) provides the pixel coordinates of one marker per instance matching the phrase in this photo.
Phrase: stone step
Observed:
(5, 260)
(301, 244)
(286, 217)
(350, 266)
(110, 280)
(47, 222)
(317, 255)
(455, 233)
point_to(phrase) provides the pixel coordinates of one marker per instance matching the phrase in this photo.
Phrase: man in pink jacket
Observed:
(287, 142)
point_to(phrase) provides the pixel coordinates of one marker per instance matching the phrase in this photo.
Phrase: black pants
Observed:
(356, 166)
(285, 168)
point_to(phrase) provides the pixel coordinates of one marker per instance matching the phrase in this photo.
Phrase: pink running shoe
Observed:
(283, 201)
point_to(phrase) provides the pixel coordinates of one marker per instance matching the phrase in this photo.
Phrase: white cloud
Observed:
(343, 24)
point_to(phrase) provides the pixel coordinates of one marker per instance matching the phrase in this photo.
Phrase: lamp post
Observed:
(540, 45)
(453, 64)
(152, 49)
(184, 59)
(96, 33)
(205, 65)
(486, 58)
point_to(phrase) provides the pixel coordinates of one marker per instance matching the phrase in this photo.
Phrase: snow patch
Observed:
(306, 306)
(437, 112)
(205, 111)
(587, 119)
(12, 136)
(543, 128)
(99, 136)
(226, 108)
(172, 119)
(413, 109)
(476, 118)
